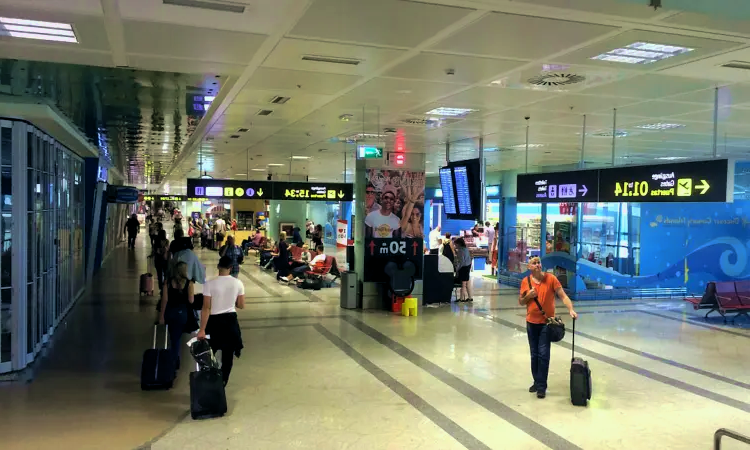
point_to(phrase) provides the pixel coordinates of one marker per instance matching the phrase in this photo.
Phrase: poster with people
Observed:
(394, 202)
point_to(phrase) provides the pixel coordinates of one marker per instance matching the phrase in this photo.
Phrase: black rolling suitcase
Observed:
(207, 396)
(580, 376)
(158, 366)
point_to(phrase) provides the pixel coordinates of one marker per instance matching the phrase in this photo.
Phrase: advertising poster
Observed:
(394, 224)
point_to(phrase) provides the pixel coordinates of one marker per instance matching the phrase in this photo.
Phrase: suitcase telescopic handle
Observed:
(166, 335)
(573, 347)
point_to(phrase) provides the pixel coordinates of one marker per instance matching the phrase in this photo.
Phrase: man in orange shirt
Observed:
(542, 286)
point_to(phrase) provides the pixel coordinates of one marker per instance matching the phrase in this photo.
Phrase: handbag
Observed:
(555, 325)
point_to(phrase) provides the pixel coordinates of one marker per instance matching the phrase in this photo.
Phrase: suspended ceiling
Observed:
(506, 57)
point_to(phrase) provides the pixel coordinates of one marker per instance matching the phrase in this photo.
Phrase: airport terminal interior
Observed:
(369, 203)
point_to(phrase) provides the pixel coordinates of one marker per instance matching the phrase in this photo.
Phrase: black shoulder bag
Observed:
(555, 325)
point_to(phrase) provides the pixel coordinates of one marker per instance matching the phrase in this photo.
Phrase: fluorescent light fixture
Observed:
(300, 157)
(491, 149)
(240, 174)
(208, 98)
(660, 126)
(642, 53)
(35, 29)
(450, 112)
(258, 170)
(671, 158)
(530, 146)
(276, 164)
(429, 173)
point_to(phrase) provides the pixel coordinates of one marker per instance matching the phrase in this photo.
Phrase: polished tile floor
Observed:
(315, 376)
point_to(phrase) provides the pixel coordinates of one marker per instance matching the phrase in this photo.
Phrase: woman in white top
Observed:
(221, 297)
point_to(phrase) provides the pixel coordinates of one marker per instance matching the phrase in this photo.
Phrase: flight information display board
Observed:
(555, 187)
(463, 195)
(270, 190)
(701, 181)
(331, 192)
(446, 185)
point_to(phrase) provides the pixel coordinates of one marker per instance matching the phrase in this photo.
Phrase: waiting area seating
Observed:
(724, 297)
(321, 273)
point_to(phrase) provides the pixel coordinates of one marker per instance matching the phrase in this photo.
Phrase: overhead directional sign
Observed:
(702, 181)
(574, 186)
(697, 181)
(165, 198)
(331, 192)
(369, 152)
(270, 190)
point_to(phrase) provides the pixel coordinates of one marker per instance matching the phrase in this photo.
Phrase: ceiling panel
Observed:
(657, 109)
(465, 69)
(487, 99)
(523, 37)
(702, 47)
(180, 41)
(650, 86)
(611, 7)
(288, 55)
(383, 22)
(267, 78)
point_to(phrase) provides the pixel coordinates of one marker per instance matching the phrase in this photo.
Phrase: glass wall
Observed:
(39, 284)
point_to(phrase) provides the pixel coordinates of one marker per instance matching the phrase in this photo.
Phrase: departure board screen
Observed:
(463, 194)
(446, 185)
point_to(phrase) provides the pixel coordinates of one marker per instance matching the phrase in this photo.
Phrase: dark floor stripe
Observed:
(670, 362)
(278, 325)
(273, 302)
(309, 295)
(728, 401)
(491, 404)
(254, 319)
(697, 324)
(452, 428)
(259, 282)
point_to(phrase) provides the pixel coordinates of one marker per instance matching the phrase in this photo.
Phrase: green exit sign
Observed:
(368, 152)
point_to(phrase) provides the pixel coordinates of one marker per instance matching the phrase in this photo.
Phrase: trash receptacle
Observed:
(348, 294)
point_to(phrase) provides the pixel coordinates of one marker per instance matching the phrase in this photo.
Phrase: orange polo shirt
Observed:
(546, 296)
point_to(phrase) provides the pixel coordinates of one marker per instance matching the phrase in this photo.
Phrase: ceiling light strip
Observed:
(35, 23)
(42, 37)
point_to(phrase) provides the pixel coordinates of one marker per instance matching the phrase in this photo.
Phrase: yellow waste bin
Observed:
(409, 308)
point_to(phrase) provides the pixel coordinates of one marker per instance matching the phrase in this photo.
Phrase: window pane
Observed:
(7, 146)
(6, 188)
(5, 324)
(5, 263)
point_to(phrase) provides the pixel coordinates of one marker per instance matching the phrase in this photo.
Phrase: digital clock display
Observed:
(702, 181)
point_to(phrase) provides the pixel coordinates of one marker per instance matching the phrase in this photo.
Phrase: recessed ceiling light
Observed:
(450, 112)
(208, 98)
(300, 157)
(429, 173)
(642, 53)
(35, 29)
(524, 146)
(239, 174)
(275, 164)
(258, 170)
(660, 126)
(671, 158)
(608, 133)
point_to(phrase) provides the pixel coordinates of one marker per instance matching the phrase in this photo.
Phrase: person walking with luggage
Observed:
(132, 227)
(221, 298)
(176, 298)
(543, 287)
(234, 253)
(161, 256)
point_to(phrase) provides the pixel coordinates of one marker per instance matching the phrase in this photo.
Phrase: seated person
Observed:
(252, 243)
(318, 262)
(304, 257)
(296, 236)
(266, 253)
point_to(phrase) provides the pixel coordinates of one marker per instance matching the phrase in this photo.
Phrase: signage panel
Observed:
(330, 192)
(574, 186)
(700, 181)
(270, 190)
(241, 189)
(369, 152)
(122, 194)
(380, 251)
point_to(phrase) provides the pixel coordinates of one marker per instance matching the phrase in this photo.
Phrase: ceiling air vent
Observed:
(235, 136)
(212, 5)
(243, 130)
(742, 65)
(279, 100)
(556, 79)
(264, 112)
(331, 59)
(418, 121)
